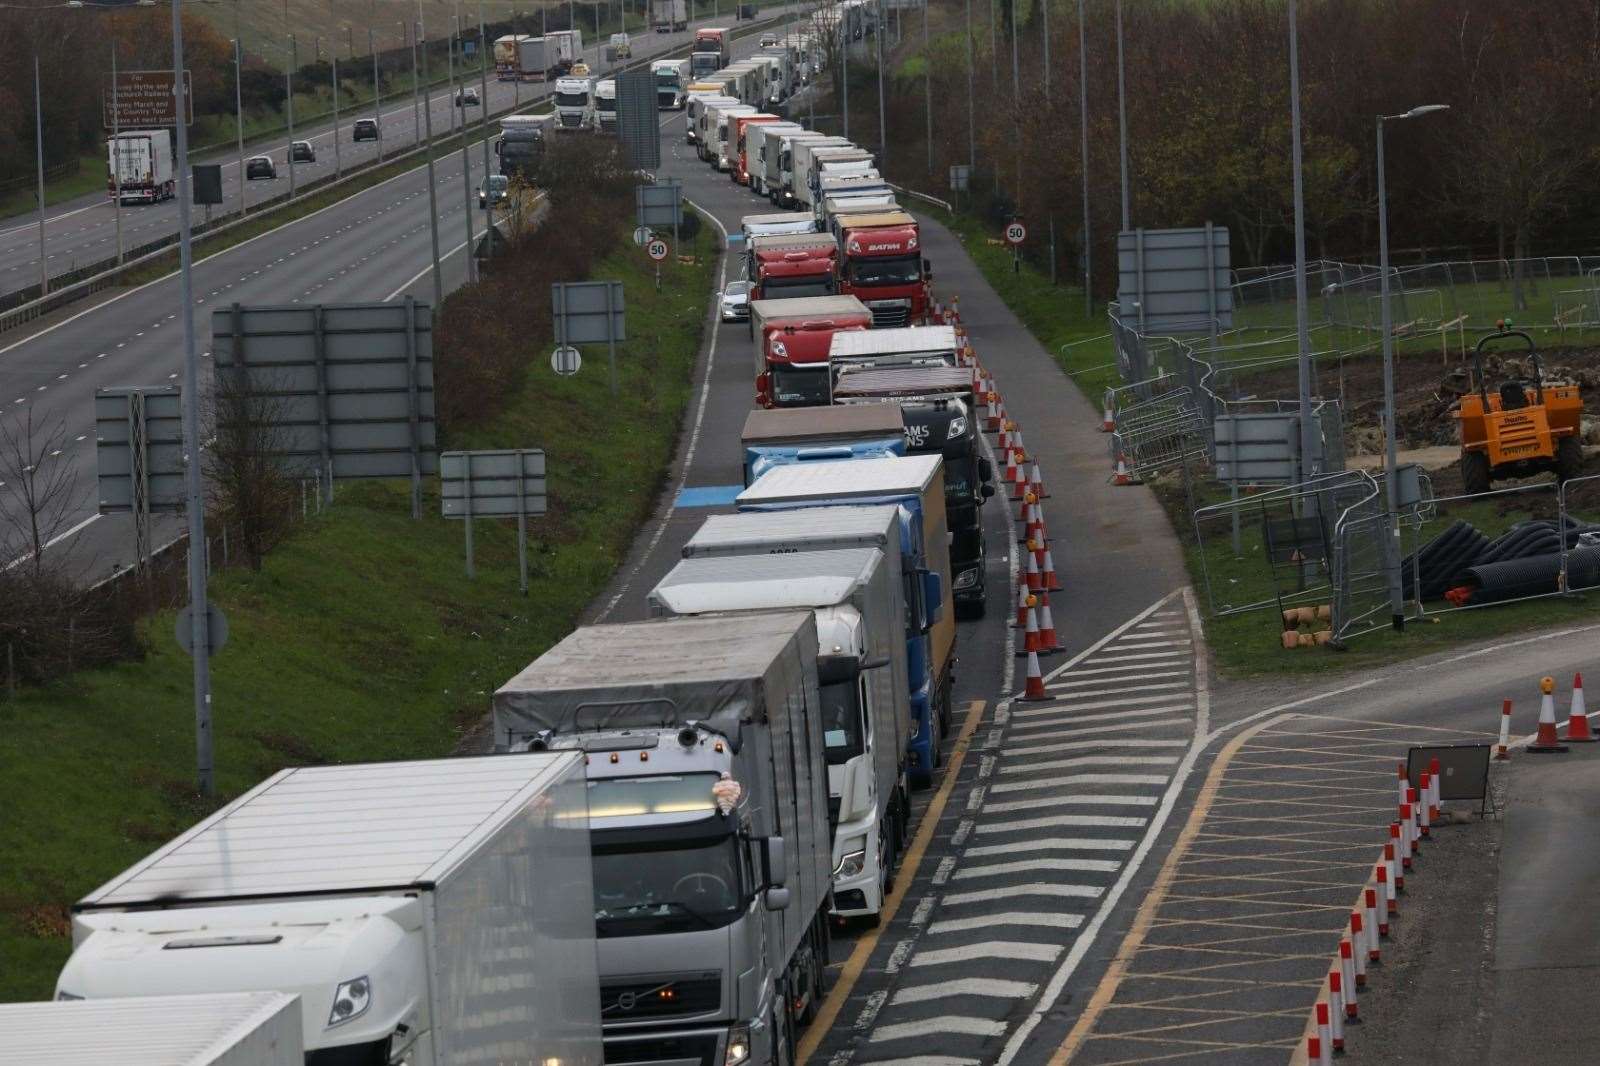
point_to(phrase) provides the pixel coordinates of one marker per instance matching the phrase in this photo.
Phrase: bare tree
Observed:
(38, 488)
(252, 484)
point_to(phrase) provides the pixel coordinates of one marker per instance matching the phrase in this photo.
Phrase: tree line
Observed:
(1506, 172)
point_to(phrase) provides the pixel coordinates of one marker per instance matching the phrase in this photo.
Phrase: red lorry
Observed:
(884, 268)
(793, 338)
(739, 169)
(791, 265)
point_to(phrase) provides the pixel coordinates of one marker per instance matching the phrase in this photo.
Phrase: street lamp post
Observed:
(466, 159)
(38, 156)
(333, 53)
(294, 59)
(455, 31)
(883, 124)
(238, 103)
(927, 84)
(416, 101)
(116, 152)
(1122, 119)
(483, 124)
(1391, 448)
(377, 91)
(433, 185)
(1083, 137)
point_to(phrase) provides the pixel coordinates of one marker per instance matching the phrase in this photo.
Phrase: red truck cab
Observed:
(739, 170)
(884, 268)
(792, 341)
(785, 266)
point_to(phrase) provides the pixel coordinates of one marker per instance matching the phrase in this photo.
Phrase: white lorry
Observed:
(669, 16)
(508, 56)
(219, 1029)
(141, 161)
(721, 151)
(605, 105)
(783, 194)
(670, 81)
(708, 813)
(763, 148)
(574, 104)
(847, 186)
(699, 120)
(804, 165)
(424, 912)
(855, 598)
(568, 45)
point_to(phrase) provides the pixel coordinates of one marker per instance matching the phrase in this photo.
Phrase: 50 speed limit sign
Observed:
(656, 249)
(1016, 233)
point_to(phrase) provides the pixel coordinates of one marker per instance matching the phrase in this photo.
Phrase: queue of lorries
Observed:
(647, 869)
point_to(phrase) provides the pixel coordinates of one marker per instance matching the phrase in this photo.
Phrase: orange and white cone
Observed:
(1547, 741)
(1016, 442)
(1019, 480)
(1034, 690)
(955, 308)
(1578, 730)
(992, 421)
(1108, 421)
(1122, 477)
(1052, 583)
(1048, 644)
(1009, 474)
(1004, 443)
(1022, 601)
(1030, 632)
(1035, 527)
(1036, 482)
(1034, 578)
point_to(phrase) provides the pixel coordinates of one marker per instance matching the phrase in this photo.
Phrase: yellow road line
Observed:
(1106, 990)
(857, 962)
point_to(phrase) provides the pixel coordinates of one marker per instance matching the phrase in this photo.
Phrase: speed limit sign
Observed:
(656, 249)
(1016, 233)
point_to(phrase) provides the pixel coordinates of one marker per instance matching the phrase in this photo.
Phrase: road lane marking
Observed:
(967, 986)
(1040, 919)
(988, 949)
(1001, 869)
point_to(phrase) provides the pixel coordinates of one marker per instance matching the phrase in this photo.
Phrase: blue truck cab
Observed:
(783, 435)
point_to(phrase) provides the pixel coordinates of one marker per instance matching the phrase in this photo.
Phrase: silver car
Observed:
(736, 301)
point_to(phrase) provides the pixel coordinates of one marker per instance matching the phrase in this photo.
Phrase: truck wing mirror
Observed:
(776, 899)
(987, 490)
(927, 269)
(876, 664)
(777, 867)
(933, 594)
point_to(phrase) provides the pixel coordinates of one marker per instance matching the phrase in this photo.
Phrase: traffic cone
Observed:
(1403, 782)
(1347, 970)
(1047, 628)
(1121, 477)
(1391, 905)
(992, 420)
(1376, 926)
(1546, 741)
(1503, 749)
(1036, 531)
(1019, 480)
(1413, 807)
(967, 350)
(1004, 443)
(1036, 483)
(1022, 601)
(1034, 688)
(1016, 442)
(1009, 474)
(1335, 1007)
(1025, 516)
(1424, 808)
(955, 308)
(1030, 635)
(1035, 580)
(1108, 421)
(1324, 1033)
(1578, 730)
(1052, 583)
(1362, 954)
(1000, 415)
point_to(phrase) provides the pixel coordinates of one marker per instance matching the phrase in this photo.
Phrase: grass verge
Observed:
(360, 638)
(1247, 645)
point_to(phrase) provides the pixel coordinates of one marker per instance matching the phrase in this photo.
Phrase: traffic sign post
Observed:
(1016, 233)
(566, 361)
(657, 250)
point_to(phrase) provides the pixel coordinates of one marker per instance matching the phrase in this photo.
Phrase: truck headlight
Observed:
(853, 862)
(966, 579)
(738, 1046)
(350, 1000)
(958, 426)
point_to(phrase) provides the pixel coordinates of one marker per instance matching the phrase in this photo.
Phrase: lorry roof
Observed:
(807, 307)
(841, 152)
(903, 381)
(758, 220)
(295, 833)
(888, 341)
(791, 242)
(148, 1030)
(863, 219)
(790, 528)
(750, 582)
(780, 424)
(842, 480)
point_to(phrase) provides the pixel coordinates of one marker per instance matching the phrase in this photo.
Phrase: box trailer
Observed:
(538, 59)
(708, 808)
(792, 340)
(790, 435)
(916, 483)
(217, 1029)
(767, 151)
(428, 912)
(861, 676)
(669, 16)
(139, 166)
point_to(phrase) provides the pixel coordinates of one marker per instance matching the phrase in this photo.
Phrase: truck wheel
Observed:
(1474, 472)
(1569, 459)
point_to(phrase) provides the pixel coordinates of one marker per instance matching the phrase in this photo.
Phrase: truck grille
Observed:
(700, 1048)
(890, 314)
(570, 120)
(663, 997)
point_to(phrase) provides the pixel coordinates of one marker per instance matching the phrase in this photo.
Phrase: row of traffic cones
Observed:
(1024, 486)
(1547, 741)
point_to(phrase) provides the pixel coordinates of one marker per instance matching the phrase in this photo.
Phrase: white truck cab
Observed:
(574, 104)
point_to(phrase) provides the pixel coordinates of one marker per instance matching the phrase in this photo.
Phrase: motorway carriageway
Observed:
(372, 245)
(83, 230)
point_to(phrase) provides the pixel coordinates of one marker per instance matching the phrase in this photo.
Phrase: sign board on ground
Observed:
(143, 99)
(1175, 280)
(642, 235)
(492, 484)
(216, 629)
(1463, 769)
(660, 204)
(139, 449)
(638, 120)
(348, 387)
(588, 312)
(1257, 449)
(960, 177)
(657, 249)
(1016, 233)
(566, 361)
(207, 183)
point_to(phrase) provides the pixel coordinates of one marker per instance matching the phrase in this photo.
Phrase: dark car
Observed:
(260, 166)
(302, 152)
(467, 98)
(365, 129)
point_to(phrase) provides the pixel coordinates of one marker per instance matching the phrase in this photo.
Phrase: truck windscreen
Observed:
(664, 886)
(604, 104)
(789, 288)
(890, 270)
(572, 99)
(794, 387)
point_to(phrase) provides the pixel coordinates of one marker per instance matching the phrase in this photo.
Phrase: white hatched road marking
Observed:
(926, 1060)
(1117, 690)
(1000, 869)
(1070, 703)
(1077, 821)
(1052, 844)
(1172, 657)
(1066, 714)
(1078, 800)
(1092, 760)
(1061, 734)
(940, 1024)
(1081, 779)
(989, 921)
(989, 949)
(1103, 742)
(1035, 888)
(1131, 671)
(967, 986)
